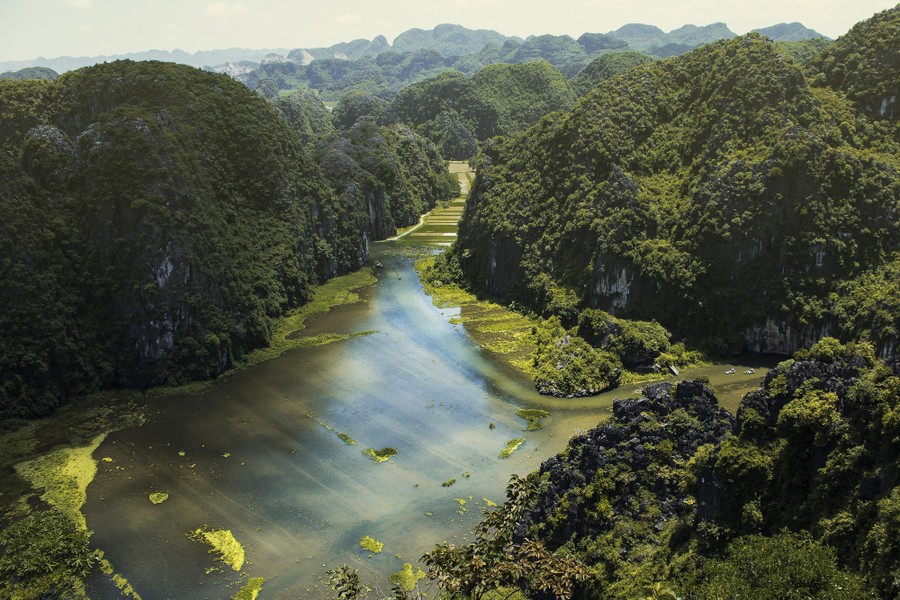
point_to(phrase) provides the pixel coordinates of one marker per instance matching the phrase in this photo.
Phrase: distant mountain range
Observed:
(201, 58)
(448, 40)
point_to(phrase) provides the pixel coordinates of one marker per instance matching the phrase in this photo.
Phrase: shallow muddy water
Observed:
(259, 454)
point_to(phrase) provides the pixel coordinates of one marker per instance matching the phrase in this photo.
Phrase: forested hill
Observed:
(156, 219)
(865, 66)
(717, 192)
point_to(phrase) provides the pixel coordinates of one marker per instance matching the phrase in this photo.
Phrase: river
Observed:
(259, 454)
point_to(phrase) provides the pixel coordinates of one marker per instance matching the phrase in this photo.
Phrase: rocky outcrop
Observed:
(621, 460)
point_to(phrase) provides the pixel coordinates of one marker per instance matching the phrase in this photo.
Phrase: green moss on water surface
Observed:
(121, 583)
(159, 497)
(407, 577)
(223, 543)
(251, 590)
(380, 455)
(533, 417)
(64, 475)
(511, 446)
(371, 544)
(449, 482)
(347, 439)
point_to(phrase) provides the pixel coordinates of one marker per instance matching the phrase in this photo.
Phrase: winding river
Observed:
(260, 455)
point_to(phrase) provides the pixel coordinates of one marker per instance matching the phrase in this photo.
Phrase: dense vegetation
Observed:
(384, 175)
(45, 551)
(457, 112)
(716, 193)
(797, 497)
(511, 82)
(306, 115)
(156, 220)
(605, 66)
(725, 196)
(865, 66)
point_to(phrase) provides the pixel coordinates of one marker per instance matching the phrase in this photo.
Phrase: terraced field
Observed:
(438, 227)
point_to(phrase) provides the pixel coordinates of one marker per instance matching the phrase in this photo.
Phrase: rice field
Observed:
(439, 227)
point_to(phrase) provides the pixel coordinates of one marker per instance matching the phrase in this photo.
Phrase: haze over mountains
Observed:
(446, 39)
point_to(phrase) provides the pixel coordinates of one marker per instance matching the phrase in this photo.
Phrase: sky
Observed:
(51, 28)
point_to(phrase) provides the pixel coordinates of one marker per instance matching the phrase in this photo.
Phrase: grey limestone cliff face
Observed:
(782, 336)
(682, 417)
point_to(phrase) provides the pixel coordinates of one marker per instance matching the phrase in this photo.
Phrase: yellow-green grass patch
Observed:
(407, 578)
(371, 544)
(511, 446)
(495, 328)
(64, 475)
(118, 580)
(380, 455)
(533, 416)
(347, 439)
(251, 590)
(159, 497)
(223, 543)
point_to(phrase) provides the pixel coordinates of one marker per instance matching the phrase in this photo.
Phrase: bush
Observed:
(784, 566)
(636, 343)
(565, 365)
(45, 555)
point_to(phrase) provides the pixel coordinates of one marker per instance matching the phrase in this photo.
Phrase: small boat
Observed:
(749, 372)
(674, 370)
(730, 372)
(378, 265)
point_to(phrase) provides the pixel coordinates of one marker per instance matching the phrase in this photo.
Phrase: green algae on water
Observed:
(463, 509)
(343, 436)
(251, 590)
(223, 543)
(449, 482)
(118, 580)
(159, 497)
(511, 446)
(407, 577)
(64, 475)
(533, 416)
(380, 455)
(371, 544)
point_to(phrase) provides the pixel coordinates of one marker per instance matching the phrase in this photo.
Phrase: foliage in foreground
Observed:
(797, 497)
(45, 555)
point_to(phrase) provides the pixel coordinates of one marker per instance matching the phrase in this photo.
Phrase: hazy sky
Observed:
(50, 28)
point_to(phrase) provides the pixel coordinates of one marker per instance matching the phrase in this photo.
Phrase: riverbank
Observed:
(49, 463)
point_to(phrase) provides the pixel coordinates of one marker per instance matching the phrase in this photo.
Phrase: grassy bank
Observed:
(514, 338)
(507, 335)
